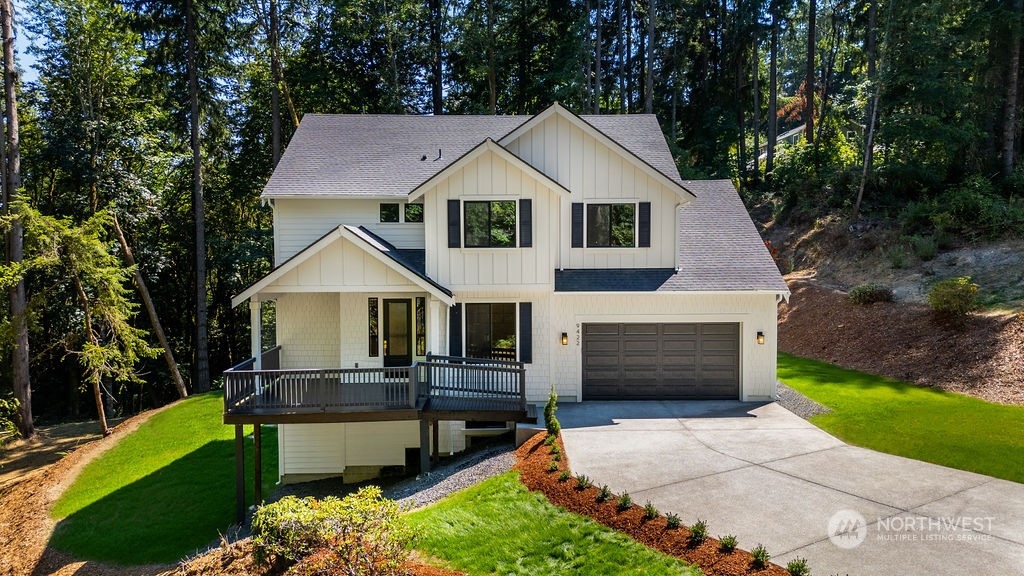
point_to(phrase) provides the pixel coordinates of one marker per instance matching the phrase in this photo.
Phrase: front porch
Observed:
(438, 388)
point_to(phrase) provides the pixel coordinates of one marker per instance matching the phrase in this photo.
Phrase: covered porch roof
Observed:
(348, 258)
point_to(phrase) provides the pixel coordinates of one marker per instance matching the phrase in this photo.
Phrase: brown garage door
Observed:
(661, 361)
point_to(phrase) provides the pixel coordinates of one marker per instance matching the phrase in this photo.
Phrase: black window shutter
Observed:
(526, 332)
(455, 330)
(644, 225)
(525, 223)
(454, 225)
(577, 225)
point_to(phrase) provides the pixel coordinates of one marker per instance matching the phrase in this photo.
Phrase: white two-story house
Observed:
(561, 251)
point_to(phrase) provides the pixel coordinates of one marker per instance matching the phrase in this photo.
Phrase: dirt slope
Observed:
(984, 358)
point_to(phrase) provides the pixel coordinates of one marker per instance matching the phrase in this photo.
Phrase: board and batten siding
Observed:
(593, 172)
(298, 222)
(490, 177)
(342, 266)
(753, 312)
(330, 448)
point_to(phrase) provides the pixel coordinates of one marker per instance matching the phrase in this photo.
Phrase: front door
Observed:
(397, 334)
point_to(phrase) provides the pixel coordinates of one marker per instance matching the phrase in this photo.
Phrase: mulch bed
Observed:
(534, 459)
(982, 357)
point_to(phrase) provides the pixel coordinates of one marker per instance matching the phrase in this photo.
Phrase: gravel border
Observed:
(799, 404)
(452, 477)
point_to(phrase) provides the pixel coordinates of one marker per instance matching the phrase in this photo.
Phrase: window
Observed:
(490, 224)
(414, 212)
(372, 326)
(491, 331)
(421, 326)
(389, 212)
(611, 225)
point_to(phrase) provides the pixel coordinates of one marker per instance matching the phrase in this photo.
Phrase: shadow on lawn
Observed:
(165, 516)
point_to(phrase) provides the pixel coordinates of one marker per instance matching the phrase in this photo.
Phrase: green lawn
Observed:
(163, 491)
(922, 423)
(499, 527)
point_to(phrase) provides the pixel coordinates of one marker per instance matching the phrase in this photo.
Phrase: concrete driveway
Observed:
(768, 476)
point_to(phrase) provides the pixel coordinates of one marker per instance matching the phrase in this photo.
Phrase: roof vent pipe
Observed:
(438, 155)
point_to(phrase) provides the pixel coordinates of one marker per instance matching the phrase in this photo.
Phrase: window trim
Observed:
(636, 224)
(463, 202)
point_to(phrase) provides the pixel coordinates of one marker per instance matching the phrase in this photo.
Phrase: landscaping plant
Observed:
(761, 556)
(798, 567)
(727, 543)
(698, 532)
(650, 511)
(624, 503)
(954, 298)
(365, 532)
(673, 521)
(564, 476)
(870, 293)
(604, 494)
(582, 481)
(554, 426)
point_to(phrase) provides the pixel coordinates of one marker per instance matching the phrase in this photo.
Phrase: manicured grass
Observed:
(164, 490)
(499, 527)
(922, 423)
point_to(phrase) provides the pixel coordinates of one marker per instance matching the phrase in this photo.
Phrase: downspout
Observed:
(676, 245)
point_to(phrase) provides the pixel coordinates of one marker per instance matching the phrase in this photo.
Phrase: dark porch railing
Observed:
(440, 383)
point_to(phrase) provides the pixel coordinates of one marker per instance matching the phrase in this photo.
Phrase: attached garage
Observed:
(659, 361)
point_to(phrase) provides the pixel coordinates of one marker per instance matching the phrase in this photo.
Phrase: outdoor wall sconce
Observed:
(565, 339)
(760, 337)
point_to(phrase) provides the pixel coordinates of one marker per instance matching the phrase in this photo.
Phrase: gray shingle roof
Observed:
(381, 155)
(719, 250)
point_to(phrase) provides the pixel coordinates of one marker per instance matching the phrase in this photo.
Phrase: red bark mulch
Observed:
(534, 459)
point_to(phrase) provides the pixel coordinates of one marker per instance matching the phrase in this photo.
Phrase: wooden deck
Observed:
(441, 388)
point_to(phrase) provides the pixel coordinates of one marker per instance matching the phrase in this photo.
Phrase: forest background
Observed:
(161, 120)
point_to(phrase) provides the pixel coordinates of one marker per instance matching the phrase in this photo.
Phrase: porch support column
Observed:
(256, 332)
(239, 474)
(437, 441)
(436, 318)
(424, 446)
(257, 457)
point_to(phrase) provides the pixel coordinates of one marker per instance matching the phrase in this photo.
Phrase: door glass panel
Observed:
(398, 328)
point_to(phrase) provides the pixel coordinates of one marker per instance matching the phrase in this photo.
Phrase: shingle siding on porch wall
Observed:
(308, 330)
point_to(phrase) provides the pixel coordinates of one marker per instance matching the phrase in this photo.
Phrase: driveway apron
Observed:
(769, 477)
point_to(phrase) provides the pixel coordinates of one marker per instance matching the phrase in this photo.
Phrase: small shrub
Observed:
(625, 502)
(727, 543)
(9, 418)
(553, 466)
(954, 298)
(925, 247)
(604, 494)
(557, 458)
(650, 511)
(554, 426)
(698, 532)
(549, 440)
(365, 531)
(564, 476)
(555, 449)
(582, 481)
(798, 567)
(673, 521)
(870, 293)
(898, 257)
(761, 556)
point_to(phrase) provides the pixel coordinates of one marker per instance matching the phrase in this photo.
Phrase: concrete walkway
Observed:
(766, 475)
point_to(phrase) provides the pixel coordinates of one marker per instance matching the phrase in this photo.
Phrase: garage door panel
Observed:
(660, 361)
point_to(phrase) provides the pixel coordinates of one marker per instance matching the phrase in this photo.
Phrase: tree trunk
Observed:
(94, 378)
(597, 62)
(275, 86)
(20, 380)
(1012, 81)
(201, 381)
(649, 77)
(140, 285)
(812, 10)
(773, 88)
(869, 145)
(741, 155)
(436, 85)
(492, 76)
(756, 121)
